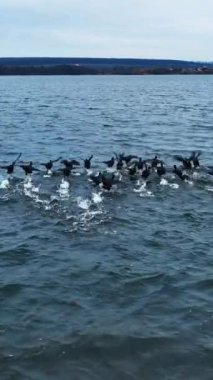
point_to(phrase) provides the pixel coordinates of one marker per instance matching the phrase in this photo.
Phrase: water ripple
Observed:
(96, 285)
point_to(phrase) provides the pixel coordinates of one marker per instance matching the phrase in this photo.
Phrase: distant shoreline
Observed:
(117, 70)
(100, 66)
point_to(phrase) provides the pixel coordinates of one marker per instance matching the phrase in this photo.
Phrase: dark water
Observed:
(106, 286)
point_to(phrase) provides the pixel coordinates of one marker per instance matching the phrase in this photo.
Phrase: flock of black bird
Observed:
(135, 167)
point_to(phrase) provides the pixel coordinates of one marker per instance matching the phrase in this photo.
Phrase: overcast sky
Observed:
(176, 29)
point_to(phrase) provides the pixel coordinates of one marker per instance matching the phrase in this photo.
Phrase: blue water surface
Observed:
(98, 285)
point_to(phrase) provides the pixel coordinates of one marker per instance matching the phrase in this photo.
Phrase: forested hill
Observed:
(69, 66)
(104, 62)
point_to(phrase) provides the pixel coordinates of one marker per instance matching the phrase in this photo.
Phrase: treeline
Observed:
(100, 62)
(46, 70)
(84, 70)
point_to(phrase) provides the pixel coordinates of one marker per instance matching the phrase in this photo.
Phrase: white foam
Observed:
(96, 198)
(64, 188)
(28, 193)
(64, 184)
(209, 188)
(146, 194)
(195, 175)
(93, 213)
(83, 203)
(35, 189)
(174, 185)
(48, 174)
(164, 182)
(89, 171)
(4, 184)
(76, 174)
(88, 216)
(141, 188)
(32, 192)
(47, 208)
(28, 183)
(29, 188)
(143, 191)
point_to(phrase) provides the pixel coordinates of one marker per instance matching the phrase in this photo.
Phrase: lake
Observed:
(105, 285)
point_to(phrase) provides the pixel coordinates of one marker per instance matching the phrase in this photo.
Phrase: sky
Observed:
(175, 29)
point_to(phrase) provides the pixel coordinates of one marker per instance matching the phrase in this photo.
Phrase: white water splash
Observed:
(28, 183)
(32, 192)
(89, 172)
(47, 208)
(76, 174)
(35, 189)
(146, 194)
(143, 192)
(164, 182)
(88, 214)
(4, 184)
(94, 212)
(42, 201)
(28, 193)
(141, 188)
(29, 187)
(64, 189)
(209, 188)
(48, 174)
(174, 185)
(96, 198)
(83, 203)
(195, 175)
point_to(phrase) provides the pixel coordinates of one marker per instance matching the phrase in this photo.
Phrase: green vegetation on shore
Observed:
(100, 66)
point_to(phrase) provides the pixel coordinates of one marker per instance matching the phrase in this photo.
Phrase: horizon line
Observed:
(107, 58)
